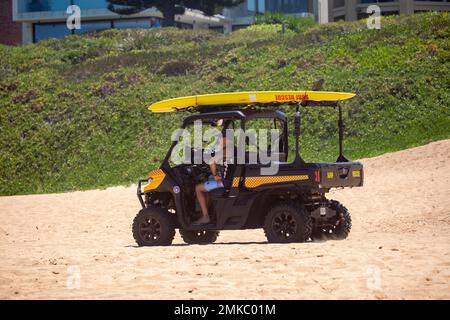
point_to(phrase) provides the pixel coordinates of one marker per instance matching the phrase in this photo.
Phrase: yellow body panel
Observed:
(246, 98)
(253, 182)
(156, 176)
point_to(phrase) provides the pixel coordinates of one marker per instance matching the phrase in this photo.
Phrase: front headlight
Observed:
(145, 184)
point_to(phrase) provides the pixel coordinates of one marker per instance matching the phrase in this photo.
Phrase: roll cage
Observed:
(243, 116)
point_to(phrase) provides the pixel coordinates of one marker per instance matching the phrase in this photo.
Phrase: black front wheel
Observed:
(152, 227)
(287, 222)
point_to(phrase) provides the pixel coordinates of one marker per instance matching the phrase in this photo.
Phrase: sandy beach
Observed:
(79, 245)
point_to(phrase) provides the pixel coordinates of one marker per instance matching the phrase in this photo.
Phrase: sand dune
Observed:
(79, 245)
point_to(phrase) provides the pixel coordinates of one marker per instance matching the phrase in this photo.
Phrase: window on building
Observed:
(251, 5)
(287, 6)
(25, 6)
(89, 26)
(261, 6)
(44, 31)
(376, 1)
(91, 4)
(134, 23)
(256, 6)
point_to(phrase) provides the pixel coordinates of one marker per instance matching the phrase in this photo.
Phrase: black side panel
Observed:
(232, 213)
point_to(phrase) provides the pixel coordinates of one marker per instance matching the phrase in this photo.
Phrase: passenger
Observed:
(218, 181)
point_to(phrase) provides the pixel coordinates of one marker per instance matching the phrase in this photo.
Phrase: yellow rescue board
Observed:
(246, 98)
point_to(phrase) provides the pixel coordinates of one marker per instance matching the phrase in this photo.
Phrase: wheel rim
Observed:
(150, 229)
(284, 225)
(200, 234)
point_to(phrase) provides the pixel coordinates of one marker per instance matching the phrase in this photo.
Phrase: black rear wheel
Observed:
(199, 237)
(344, 221)
(152, 226)
(287, 222)
(338, 228)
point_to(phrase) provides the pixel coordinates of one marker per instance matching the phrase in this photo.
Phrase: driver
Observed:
(217, 181)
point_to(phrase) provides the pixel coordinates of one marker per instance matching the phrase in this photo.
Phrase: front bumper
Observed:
(140, 193)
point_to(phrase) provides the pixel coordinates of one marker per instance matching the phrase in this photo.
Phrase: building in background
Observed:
(350, 10)
(27, 21)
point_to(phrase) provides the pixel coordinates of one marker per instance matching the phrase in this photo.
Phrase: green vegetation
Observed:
(293, 23)
(73, 112)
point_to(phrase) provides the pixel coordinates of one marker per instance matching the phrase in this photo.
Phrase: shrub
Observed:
(292, 22)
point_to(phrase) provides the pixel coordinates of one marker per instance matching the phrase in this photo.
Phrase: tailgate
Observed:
(343, 174)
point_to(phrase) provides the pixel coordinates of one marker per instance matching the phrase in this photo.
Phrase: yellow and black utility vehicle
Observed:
(290, 205)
